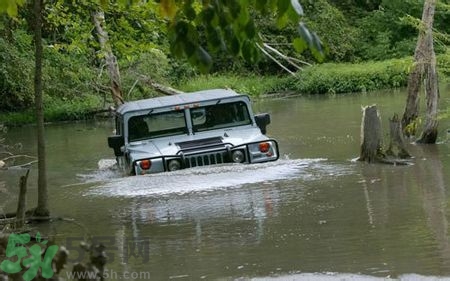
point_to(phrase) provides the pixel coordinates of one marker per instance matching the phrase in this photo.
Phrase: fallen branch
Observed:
(275, 60)
(166, 90)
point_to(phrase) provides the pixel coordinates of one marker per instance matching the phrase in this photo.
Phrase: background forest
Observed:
(369, 45)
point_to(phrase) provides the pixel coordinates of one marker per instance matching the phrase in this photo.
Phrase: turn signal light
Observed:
(145, 164)
(264, 147)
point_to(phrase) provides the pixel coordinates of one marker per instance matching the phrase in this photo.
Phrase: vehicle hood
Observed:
(172, 145)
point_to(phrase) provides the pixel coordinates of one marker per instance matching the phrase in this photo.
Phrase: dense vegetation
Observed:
(369, 46)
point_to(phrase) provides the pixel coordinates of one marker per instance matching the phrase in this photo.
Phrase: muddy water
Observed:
(312, 212)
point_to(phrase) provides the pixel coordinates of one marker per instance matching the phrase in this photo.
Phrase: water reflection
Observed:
(429, 175)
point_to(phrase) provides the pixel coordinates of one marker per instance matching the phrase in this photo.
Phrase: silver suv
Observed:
(190, 130)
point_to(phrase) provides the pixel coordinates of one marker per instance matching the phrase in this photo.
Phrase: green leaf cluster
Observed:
(198, 29)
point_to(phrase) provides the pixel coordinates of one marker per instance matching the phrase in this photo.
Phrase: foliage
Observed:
(341, 39)
(16, 66)
(382, 33)
(254, 85)
(229, 26)
(345, 78)
(148, 40)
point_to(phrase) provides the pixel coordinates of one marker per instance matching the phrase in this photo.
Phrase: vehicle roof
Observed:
(180, 99)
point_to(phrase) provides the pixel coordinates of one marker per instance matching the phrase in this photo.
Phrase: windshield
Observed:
(156, 125)
(219, 116)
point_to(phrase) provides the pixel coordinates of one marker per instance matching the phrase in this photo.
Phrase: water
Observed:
(313, 215)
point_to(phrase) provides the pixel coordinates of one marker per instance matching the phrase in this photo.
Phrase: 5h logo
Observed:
(34, 262)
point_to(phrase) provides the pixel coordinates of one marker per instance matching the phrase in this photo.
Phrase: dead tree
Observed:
(110, 59)
(424, 69)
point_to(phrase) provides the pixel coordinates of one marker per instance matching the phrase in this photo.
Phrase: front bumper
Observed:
(211, 155)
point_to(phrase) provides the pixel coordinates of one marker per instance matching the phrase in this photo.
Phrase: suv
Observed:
(189, 130)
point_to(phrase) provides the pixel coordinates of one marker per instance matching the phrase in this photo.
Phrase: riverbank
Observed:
(328, 78)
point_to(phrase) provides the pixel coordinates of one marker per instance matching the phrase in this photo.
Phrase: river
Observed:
(313, 215)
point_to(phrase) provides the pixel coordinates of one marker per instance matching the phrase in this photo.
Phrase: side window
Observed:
(137, 128)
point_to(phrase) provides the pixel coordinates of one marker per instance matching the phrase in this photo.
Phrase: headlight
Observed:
(174, 165)
(238, 156)
(145, 164)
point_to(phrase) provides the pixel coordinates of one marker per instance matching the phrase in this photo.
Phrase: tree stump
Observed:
(21, 205)
(397, 141)
(371, 137)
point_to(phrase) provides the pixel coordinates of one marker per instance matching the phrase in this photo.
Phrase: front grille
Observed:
(206, 159)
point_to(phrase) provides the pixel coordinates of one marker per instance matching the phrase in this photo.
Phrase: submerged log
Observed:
(371, 138)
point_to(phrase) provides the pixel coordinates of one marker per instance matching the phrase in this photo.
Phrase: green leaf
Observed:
(208, 14)
(283, 6)
(282, 21)
(261, 5)
(213, 37)
(300, 45)
(250, 29)
(190, 12)
(168, 8)
(297, 7)
(235, 8)
(189, 47)
(249, 51)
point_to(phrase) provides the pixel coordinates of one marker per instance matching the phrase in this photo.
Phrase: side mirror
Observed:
(116, 142)
(262, 120)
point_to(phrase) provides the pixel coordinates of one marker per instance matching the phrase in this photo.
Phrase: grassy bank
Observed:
(55, 111)
(328, 78)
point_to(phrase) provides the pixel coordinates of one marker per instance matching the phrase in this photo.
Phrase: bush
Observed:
(251, 85)
(16, 72)
(345, 78)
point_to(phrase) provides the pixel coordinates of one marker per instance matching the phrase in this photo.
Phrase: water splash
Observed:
(202, 179)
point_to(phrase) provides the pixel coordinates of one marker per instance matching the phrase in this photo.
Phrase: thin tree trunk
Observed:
(22, 202)
(42, 207)
(110, 58)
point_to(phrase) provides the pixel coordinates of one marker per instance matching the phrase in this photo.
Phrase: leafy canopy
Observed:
(224, 25)
(229, 26)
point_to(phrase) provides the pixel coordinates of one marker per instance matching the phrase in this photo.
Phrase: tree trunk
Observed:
(371, 137)
(412, 101)
(424, 69)
(430, 131)
(110, 58)
(42, 207)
